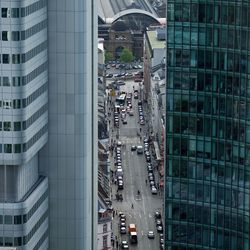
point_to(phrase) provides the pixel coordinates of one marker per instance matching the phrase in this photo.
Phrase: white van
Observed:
(139, 150)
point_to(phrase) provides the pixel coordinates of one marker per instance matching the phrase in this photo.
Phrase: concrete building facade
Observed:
(48, 124)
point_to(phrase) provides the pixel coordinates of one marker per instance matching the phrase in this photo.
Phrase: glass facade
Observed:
(207, 198)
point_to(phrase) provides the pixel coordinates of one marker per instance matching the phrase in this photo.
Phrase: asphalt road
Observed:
(135, 174)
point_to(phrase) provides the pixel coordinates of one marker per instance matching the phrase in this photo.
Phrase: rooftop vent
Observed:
(161, 34)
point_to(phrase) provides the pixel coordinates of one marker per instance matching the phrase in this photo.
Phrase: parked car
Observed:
(123, 230)
(159, 229)
(153, 190)
(157, 215)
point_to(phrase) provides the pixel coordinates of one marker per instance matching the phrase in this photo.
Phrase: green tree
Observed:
(108, 56)
(126, 56)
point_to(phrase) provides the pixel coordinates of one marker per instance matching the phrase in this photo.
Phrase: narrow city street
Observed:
(138, 209)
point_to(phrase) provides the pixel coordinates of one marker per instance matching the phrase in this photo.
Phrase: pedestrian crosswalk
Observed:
(130, 140)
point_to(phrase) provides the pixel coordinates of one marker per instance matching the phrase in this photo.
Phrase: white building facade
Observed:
(48, 127)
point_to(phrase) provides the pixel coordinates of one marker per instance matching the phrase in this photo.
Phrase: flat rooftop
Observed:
(154, 42)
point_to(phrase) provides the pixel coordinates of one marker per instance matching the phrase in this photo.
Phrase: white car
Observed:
(151, 234)
(153, 190)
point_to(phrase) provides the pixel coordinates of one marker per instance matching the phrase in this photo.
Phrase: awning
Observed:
(157, 151)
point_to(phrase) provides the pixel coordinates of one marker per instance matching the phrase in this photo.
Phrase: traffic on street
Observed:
(136, 196)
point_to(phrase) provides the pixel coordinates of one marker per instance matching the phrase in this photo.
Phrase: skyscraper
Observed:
(48, 125)
(207, 198)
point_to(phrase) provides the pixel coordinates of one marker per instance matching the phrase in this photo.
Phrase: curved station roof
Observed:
(111, 10)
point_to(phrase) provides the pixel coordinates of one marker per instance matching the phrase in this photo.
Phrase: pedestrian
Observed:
(117, 244)
(132, 205)
(146, 182)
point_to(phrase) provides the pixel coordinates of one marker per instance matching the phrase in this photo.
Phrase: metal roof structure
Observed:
(111, 10)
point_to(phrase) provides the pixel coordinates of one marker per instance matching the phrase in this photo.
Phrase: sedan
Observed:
(152, 183)
(123, 220)
(123, 224)
(153, 190)
(124, 244)
(159, 229)
(151, 235)
(123, 230)
(158, 222)
(151, 178)
(157, 215)
(142, 122)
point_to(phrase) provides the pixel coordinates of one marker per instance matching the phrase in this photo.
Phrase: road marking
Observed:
(149, 215)
(142, 233)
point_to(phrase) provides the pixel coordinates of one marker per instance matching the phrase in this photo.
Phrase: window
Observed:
(7, 149)
(8, 241)
(16, 81)
(15, 12)
(5, 58)
(17, 219)
(105, 228)
(6, 81)
(7, 218)
(15, 58)
(5, 12)
(18, 241)
(7, 104)
(15, 36)
(17, 104)
(105, 240)
(17, 126)
(7, 126)
(17, 148)
(5, 36)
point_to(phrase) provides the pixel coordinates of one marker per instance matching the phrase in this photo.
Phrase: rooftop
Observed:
(154, 42)
(111, 10)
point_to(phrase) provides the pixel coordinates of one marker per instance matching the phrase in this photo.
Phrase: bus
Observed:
(121, 99)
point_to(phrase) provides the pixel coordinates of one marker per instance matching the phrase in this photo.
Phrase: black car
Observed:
(133, 148)
(157, 215)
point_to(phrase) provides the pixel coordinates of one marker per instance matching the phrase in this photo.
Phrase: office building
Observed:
(207, 198)
(47, 124)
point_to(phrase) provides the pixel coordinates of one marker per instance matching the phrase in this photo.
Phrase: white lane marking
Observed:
(142, 233)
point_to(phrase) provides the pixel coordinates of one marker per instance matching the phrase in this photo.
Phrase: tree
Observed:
(108, 56)
(126, 56)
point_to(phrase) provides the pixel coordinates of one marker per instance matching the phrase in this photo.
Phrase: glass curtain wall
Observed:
(207, 198)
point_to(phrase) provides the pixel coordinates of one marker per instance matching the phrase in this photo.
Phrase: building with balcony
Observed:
(207, 198)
